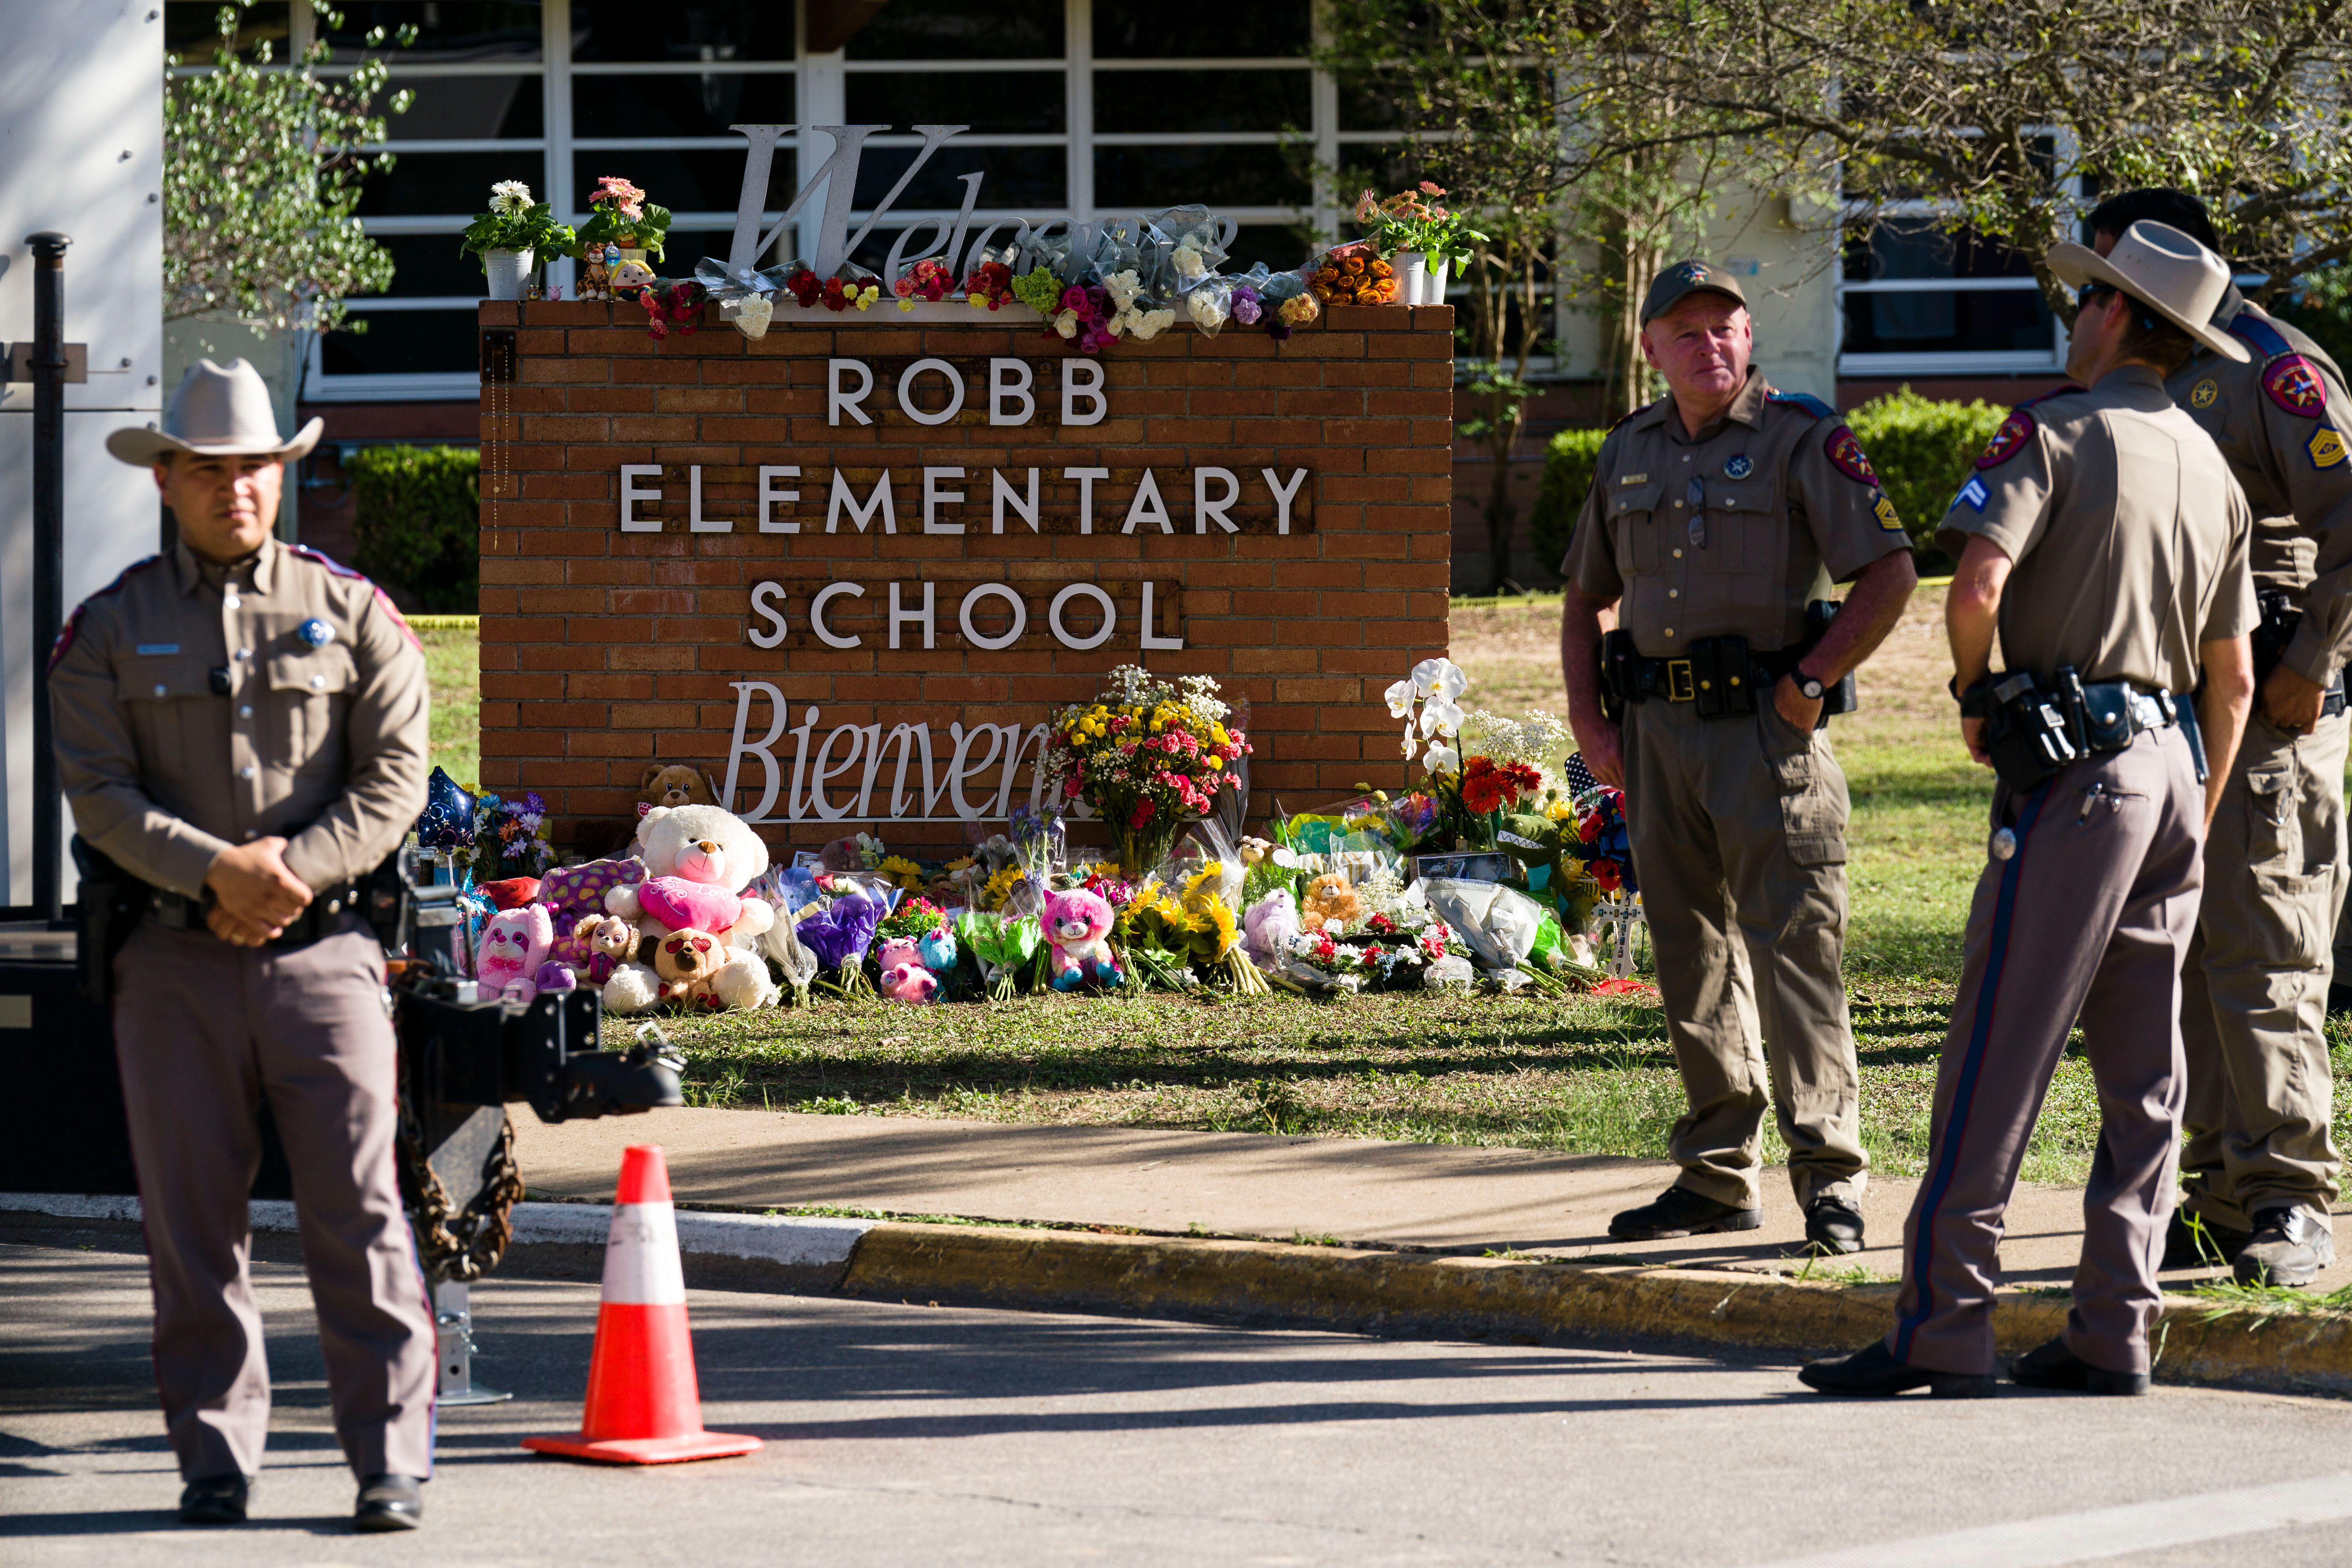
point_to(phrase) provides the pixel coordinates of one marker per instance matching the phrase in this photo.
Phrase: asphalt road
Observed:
(909, 1434)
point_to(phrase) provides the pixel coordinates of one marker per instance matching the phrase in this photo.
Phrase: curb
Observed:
(1350, 1289)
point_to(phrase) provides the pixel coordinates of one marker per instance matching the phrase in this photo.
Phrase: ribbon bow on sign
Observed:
(746, 296)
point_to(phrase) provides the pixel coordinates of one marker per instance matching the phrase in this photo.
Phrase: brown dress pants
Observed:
(2254, 994)
(2089, 917)
(204, 1032)
(1739, 835)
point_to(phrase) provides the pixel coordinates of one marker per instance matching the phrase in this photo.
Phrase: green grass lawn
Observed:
(453, 662)
(1585, 1076)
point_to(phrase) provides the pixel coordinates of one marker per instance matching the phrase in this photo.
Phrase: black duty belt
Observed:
(321, 917)
(2035, 727)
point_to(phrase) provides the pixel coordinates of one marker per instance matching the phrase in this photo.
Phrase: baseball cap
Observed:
(1687, 278)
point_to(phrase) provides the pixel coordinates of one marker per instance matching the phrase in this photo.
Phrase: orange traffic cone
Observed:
(642, 1406)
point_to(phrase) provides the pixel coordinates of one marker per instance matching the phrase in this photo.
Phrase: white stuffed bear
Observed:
(699, 859)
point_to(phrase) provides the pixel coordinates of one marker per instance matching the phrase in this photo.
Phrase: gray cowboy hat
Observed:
(220, 411)
(2164, 269)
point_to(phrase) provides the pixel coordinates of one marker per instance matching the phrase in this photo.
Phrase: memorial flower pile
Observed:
(512, 837)
(928, 280)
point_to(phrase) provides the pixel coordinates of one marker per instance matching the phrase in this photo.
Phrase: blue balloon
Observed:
(447, 820)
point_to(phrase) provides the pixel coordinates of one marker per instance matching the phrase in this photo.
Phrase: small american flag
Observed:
(1579, 777)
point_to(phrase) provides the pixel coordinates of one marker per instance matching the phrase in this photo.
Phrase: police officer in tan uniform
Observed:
(241, 727)
(1717, 514)
(2105, 537)
(2260, 1170)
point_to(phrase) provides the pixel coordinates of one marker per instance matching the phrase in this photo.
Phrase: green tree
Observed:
(262, 171)
(1581, 183)
(2008, 116)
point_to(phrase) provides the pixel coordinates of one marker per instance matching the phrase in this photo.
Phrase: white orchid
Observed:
(1440, 716)
(1401, 699)
(509, 196)
(1440, 678)
(1440, 759)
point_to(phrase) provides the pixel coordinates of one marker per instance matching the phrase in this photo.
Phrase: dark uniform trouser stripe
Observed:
(1987, 1004)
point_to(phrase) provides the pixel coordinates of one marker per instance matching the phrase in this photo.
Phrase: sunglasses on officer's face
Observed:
(2089, 294)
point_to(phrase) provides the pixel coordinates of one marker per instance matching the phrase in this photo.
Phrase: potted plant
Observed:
(621, 217)
(1421, 240)
(513, 236)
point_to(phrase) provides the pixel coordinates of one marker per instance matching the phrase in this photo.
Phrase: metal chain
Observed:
(465, 1243)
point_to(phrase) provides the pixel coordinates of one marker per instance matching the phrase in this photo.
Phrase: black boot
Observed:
(1872, 1372)
(2055, 1366)
(1833, 1229)
(389, 1502)
(2288, 1248)
(2190, 1242)
(1678, 1210)
(214, 1500)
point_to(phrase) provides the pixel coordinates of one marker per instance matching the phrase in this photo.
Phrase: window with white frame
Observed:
(1078, 108)
(1917, 297)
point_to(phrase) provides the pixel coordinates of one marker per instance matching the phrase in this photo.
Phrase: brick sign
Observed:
(852, 567)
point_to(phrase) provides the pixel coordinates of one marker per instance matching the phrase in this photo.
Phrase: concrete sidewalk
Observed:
(1462, 1200)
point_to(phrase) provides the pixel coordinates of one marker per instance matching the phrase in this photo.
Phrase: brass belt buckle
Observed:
(1679, 685)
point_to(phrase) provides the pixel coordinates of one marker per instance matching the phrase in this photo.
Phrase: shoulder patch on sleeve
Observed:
(1846, 455)
(1804, 401)
(2010, 440)
(58, 649)
(2294, 384)
(2259, 335)
(1973, 495)
(382, 599)
(1882, 507)
(2325, 447)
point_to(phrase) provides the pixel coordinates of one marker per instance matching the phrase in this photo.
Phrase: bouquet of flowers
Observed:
(1259, 298)
(839, 934)
(623, 217)
(1601, 839)
(1007, 947)
(1191, 238)
(1412, 220)
(851, 289)
(990, 282)
(926, 280)
(515, 222)
(1206, 876)
(1505, 930)
(512, 837)
(675, 304)
(1039, 289)
(1146, 757)
(1352, 275)
(1084, 316)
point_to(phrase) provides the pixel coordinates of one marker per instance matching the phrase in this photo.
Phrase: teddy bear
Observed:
(1329, 901)
(699, 859)
(1075, 924)
(686, 961)
(674, 783)
(905, 977)
(514, 945)
(1268, 927)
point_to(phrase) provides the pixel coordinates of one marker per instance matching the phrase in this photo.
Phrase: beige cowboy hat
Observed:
(220, 411)
(2164, 269)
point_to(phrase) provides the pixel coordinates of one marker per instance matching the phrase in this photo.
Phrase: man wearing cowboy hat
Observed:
(2103, 534)
(241, 726)
(2258, 1174)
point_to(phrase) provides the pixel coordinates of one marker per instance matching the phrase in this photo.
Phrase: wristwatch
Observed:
(1807, 687)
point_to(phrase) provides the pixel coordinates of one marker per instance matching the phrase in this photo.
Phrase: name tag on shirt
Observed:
(1974, 493)
(150, 650)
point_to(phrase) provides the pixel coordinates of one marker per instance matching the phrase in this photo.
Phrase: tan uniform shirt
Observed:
(1787, 503)
(2130, 535)
(2283, 420)
(321, 737)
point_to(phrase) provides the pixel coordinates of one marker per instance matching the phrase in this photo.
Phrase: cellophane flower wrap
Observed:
(1503, 926)
(1204, 876)
(840, 935)
(1191, 238)
(1146, 757)
(1135, 278)
(1005, 947)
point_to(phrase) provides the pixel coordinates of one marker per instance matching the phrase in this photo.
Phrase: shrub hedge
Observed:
(419, 523)
(1923, 450)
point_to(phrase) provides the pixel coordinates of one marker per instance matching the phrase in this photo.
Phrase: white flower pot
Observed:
(1433, 283)
(506, 272)
(1411, 267)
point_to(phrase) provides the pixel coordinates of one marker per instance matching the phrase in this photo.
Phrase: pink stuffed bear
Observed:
(904, 977)
(1075, 923)
(515, 944)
